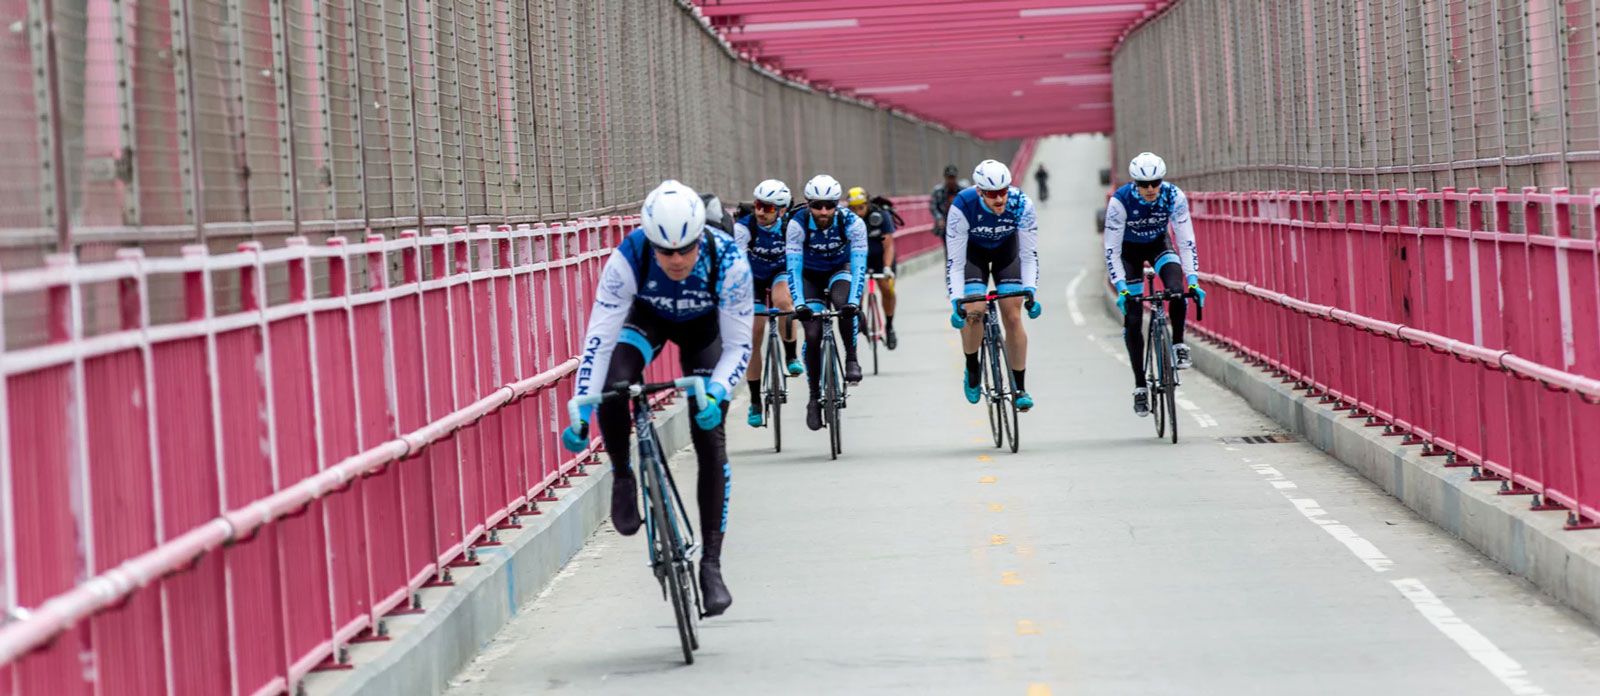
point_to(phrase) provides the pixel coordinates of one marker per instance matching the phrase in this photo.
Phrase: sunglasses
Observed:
(823, 205)
(994, 195)
(1148, 184)
(676, 252)
(765, 207)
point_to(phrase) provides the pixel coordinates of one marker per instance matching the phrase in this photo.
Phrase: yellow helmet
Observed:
(858, 196)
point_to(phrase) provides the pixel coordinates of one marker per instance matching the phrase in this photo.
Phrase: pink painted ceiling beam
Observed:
(993, 68)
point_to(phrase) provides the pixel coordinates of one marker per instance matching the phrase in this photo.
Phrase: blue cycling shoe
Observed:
(756, 418)
(795, 368)
(1024, 402)
(974, 392)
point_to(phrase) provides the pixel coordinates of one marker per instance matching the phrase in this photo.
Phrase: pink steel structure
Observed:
(995, 68)
(1431, 315)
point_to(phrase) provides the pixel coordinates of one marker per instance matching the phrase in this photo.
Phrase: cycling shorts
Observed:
(1002, 264)
(1135, 255)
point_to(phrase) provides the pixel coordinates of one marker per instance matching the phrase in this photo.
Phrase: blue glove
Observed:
(1122, 297)
(710, 417)
(958, 319)
(576, 437)
(1033, 305)
(1199, 295)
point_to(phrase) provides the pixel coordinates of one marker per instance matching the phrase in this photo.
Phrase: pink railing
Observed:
(1467, 322)
(258, 455)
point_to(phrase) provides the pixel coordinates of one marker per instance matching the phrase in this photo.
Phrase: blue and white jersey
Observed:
(970, 221)
(674, 301)
(765, 246)
(842, 244)
(1130, 219)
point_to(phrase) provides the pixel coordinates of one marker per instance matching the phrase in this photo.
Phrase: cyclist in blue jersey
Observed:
(1137, 218)
(763, 239)
(673, 279)
(827, 255)
(991, 234)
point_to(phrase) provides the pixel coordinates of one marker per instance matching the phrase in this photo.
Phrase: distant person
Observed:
(1043, 177)
(939, 202)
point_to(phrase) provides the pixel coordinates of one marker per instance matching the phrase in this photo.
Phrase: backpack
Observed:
(713, 278)
(886, 204)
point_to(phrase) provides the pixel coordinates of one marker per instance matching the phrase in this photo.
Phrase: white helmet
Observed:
(1147, 167)
(823, 188)
(774, 192)
(991, 175)
(673, 215)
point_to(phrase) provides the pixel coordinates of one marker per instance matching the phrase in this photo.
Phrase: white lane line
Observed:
(1200, 416)
(1477, 646)
(1072, 297)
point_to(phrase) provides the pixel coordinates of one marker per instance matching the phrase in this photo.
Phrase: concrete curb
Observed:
(1564, 564)
(425, 651)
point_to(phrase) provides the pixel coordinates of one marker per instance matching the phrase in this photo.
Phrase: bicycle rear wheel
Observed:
(1169, 368)
(670, 554)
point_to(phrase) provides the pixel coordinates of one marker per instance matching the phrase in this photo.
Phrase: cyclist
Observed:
(1137, 218)
(992, 234)
(761, 235)
(827, 253)
(673, 279)
(880, 252)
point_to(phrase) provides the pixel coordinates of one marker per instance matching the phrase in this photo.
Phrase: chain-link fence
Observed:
(164, 122)
(1314, 95)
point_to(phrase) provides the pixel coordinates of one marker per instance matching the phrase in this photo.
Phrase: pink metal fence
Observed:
(218, 502)
(1463, 321)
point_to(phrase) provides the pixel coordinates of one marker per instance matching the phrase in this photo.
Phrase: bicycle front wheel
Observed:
(1009, 424)
(874, 327)
(990, 390)
(830, 399)
(1156, 376)
(1169, 366)
(773, 391)
(671, 554)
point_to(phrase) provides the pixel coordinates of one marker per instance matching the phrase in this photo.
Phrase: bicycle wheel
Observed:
(1169, 368)
(1009, 424)
(773, 391)
(1156, 377)
(874, 327)
(670, 554)
(830, 397)
(991, 404)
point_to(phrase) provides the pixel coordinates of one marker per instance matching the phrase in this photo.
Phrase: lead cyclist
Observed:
(1137, 218)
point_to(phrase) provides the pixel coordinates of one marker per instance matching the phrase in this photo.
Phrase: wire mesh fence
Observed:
(1320, 95)
(165, 122)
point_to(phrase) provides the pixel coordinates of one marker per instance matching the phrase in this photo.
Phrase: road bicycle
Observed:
(872, 325)
(835, 391)
(1160, 362)
(670, 535)
(775, 388)
(998, 386)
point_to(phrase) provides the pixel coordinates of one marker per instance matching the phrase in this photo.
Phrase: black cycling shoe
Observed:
(713, 591)
(814, 414)
(852, 372)
(889, 340)
(625, 504)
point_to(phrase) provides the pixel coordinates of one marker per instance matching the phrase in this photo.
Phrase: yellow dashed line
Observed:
(1038, 690)
(997, 540)
(1027, 628)
(987, 479)
(985, 458)
(996, 507)
(1010, 577)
